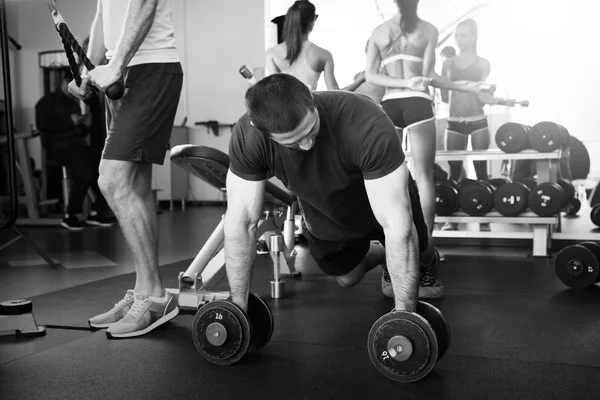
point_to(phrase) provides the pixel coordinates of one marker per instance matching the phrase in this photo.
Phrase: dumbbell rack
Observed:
(541, 227)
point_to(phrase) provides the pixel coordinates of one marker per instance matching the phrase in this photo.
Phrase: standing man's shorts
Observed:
(139, 125)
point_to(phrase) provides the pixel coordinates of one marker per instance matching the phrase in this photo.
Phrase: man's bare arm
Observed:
(96, 48)
(138, 21)
(391, 206)
(244, 210)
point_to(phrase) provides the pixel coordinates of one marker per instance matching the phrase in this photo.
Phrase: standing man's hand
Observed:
(105, 75)
(82, 91)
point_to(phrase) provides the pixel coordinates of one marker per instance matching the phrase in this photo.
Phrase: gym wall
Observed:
(531, 57)
(214, 38)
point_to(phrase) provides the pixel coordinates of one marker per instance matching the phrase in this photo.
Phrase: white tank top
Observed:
(159, 44)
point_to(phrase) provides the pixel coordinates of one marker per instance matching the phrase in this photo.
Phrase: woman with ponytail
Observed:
(401, 58)
(299, 57)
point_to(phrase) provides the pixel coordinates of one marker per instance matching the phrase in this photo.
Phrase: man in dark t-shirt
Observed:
(339, 153)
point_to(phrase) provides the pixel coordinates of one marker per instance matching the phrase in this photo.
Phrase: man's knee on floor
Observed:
(347, 282)
(351, 278)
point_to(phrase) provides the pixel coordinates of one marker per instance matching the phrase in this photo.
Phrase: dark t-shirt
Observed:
(53, 120)
(356, 141)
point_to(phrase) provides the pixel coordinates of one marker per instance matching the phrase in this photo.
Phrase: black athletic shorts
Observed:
(406, 112)
(467, 127)
(139, 125)
(340, 257)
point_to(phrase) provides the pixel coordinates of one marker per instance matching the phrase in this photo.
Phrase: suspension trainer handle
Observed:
(70, 44)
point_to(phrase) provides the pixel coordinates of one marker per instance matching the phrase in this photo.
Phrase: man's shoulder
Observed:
(360, 103)
(245, 133)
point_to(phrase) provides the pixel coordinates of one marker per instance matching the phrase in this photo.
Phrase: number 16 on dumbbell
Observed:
(405, 346)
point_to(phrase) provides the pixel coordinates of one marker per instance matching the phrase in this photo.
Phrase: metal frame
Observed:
(541, 227)
(208, 267)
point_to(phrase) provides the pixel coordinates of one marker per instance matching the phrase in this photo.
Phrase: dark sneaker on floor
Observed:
(115, 314)
(431, 285)
(100, 220)
(72, 223)
(145, 314)
(261, 247)
(441, 256)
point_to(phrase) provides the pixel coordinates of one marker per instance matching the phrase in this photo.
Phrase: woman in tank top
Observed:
(466, 116)
(405, 47)
(298, 56)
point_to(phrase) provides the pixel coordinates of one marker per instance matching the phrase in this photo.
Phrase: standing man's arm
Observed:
(390, 201)
(138, 21)
(244, 211)
(96, 47)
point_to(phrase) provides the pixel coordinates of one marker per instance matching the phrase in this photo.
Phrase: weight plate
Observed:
(545, 136)
(595, 249)
(511, 199)
(595, 215)
(215, 319)
(446, 198)
(439, 324)
(476, 199)
(261, 321)
(577, 267)
(566, 138)
(511, 137)
(466, 183)
(497, 182)
(529, 182)
(397, 326)
(16, 307)
(546, 199)
(569, 190)
(574, 207)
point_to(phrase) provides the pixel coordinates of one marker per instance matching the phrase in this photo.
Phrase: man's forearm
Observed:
(240, 251)
(138, 21)
(402, 261)
(96, 49)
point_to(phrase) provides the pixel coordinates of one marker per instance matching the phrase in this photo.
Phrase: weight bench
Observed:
(208, 268)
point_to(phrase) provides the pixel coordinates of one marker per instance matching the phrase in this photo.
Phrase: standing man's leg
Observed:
(139, 130)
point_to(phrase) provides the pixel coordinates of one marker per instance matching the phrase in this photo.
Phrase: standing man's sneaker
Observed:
(386, 284)
(115, 314)
(261, 247)
(431, 285)
(146, 313)
(72, 223)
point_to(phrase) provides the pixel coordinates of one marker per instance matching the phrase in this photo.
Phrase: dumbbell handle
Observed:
(510, 102)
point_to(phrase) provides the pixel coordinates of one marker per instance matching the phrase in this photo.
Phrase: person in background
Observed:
(58, 118)
(301, 58)
(405, 46)
(467, 118)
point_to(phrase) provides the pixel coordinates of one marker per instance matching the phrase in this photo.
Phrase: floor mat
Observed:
(512, 337)
(166, 366)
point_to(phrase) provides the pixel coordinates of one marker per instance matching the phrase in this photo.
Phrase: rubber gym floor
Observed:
(517, 332)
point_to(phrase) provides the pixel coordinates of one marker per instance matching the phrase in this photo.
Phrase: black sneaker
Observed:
(100, 220)
(431, 285)
(72, 223)
(261, 247)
